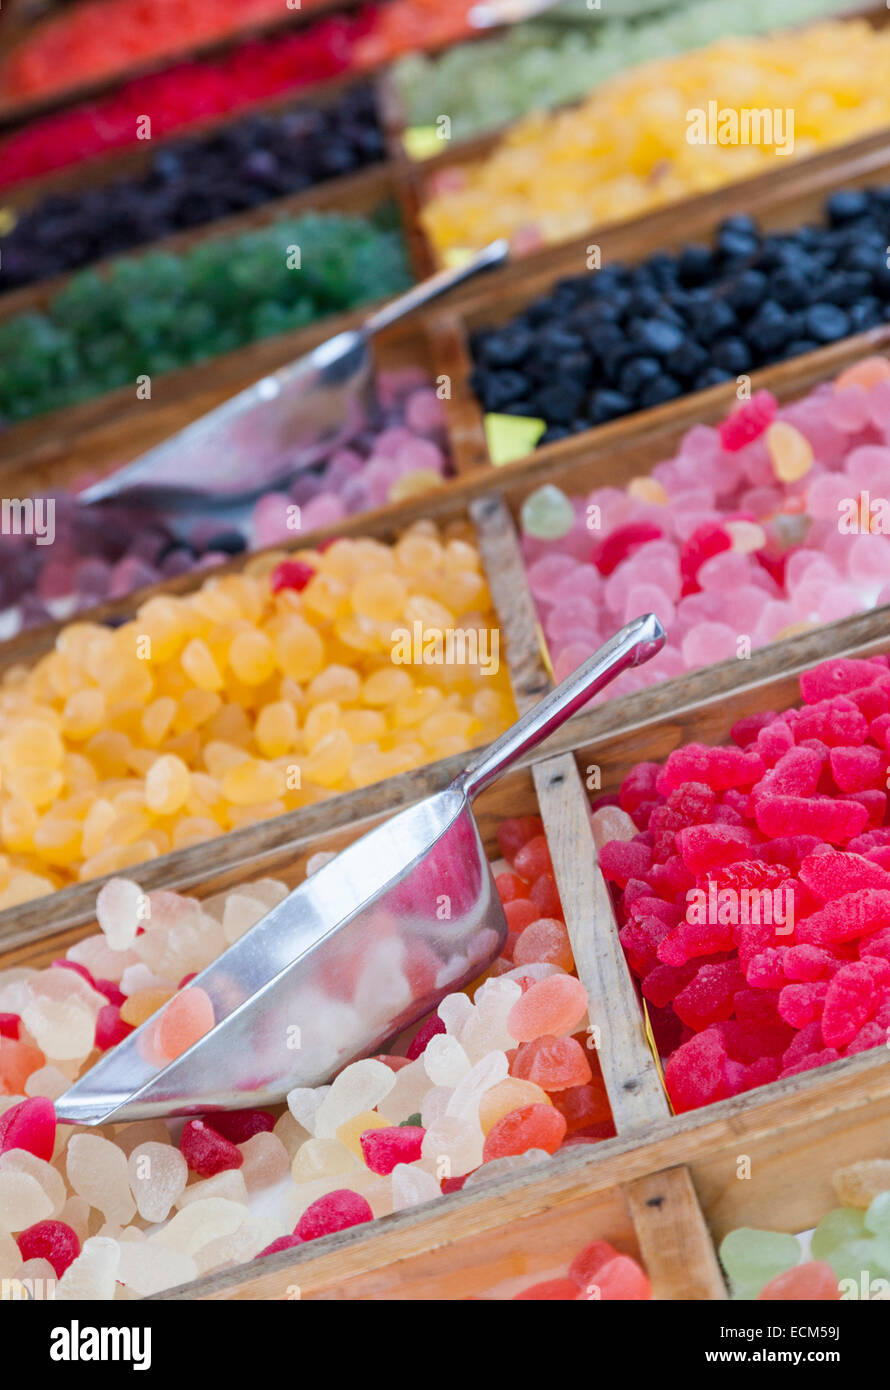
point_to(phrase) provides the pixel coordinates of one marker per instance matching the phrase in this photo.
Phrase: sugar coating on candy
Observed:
(207, 1152)
(50, 1240)
(530, 1127)
(157, 1174)
(97, 1170)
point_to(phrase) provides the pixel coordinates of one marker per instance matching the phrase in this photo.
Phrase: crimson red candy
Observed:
(829, 873)
(718, 768)
(848, 1003)
(291, 574)
(621, 542)
(111, 991)
(510, 887)
(846, 917)
(833, 821)
(836, 677)
(533, 859)
(621, 860)
(694, 1074)
(545, 896)
(80, 970)
(706, 541)
(29, 1125)
(206, 1151)
(513, 834)
(453, 1184)
(427, 1030)
(240, 1125)
(536, 1126)
(858, 769)
(384, 1148)
(9, 1025)
(110, 1027)
(748, 423)
(334, 1212)
(710, 846)
(710, 996)
(50, 1240)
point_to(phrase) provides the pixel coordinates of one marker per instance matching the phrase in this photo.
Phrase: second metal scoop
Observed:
(358, 952)
(279, 426)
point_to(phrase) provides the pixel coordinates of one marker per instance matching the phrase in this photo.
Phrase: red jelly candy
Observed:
(513, 834)
(582, 1106)
(796, 773)
(545, 895)
(50, 1240)
(836, 677)
(240, 1125)
(9, 1026)
(510, 887)
(836, 822)
(586, 1265)
(621, 860)
(533, 859)
(291, 574)
(694, 1074)
(705, 847)
(554, 1064)
(858, 769)
(802, 1003)
(520, 913)
(718, 768)
(706, 541)
(621, 542)
(110, 1027)
(530, 1127)
(426, 1031)
(29, 1125)
(384, 1148)
(848, 1003)
(206, 1151)
(621, 1279)
(709, 998)
(829, 873)
(812, 1282)
(638, 786)
(846, 917)
(836, 722)
(748, 423)
(334, 1212)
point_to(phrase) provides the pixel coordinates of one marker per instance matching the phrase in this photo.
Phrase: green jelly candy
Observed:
(411, 1120)
(838, 1227)
(547, 514)
(877, 1218)
(751, 1258)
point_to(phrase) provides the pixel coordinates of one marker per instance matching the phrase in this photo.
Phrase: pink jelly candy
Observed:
(384, 1148)
(240, 1125)
(748, 423)
(29, 1125)
(50, 1240)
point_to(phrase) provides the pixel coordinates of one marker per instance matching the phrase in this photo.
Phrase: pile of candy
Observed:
(848, 1254)
(752, 889)
(497, 1079)
(631, 147)
(104, 553)
(184, 95)
(627, 338)
(256, 694)
(598, 1272)
(754, 531)
(239, 166)
(562, 56)
(157, 312)
(101, 38)
(98, 38)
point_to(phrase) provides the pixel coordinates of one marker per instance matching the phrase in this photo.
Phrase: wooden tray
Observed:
(666, 1187)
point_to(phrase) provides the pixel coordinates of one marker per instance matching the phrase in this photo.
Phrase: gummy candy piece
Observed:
(147, 1268)
(50, 1240)
(187, 1017)
(836, 822)
(752, 1258)
(621, 860)
(837, 1228)
(609, 553)
(832, 873)
(158, 1174)
(796, 773)
(531, 1127)
(514, 833)
(858, 769)
(710, 996)
(846, 917)
(93, 1274)
(812, 1282)
(291, 574)
(97, 1170)
(334, 1212)
(552, 1063)
(848, 1003)
(241, 1125)
(717, 768)
(200, 1222)
(705, 847)
(30, 1125)
(748, 422)
(10, 1026)
(384, 1148)
(694, 1073)
(621, 1278)
(282, 1243)
(858, 1184)
(206, 1151)
(110, 1027)
(554, 1005)
(545, 939)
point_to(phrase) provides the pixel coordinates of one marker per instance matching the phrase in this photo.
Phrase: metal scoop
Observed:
(287, 422)
(358, 952)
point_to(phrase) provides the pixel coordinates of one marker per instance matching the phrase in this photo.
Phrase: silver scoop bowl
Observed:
(358, 952)
(287, 422)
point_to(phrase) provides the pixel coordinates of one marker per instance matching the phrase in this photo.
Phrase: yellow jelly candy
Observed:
(790, 452)
(167, 785)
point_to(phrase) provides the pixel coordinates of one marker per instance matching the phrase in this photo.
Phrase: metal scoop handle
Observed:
(634, 644)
